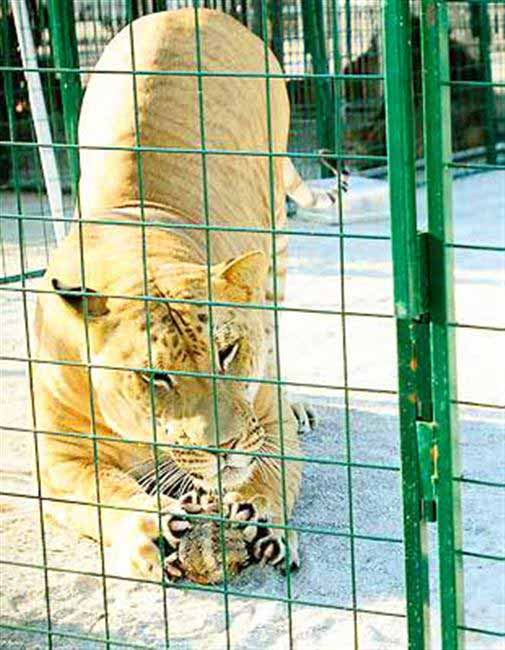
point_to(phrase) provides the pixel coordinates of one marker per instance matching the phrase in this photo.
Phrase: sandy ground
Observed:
(369, 435)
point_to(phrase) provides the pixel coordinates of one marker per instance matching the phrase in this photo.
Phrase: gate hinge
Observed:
(427, 446)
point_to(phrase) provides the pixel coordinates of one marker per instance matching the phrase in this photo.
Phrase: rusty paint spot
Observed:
(412, 398)
(431, 14)
(413, 364)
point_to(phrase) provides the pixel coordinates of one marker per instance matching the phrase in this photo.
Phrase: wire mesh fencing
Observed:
(153, 329)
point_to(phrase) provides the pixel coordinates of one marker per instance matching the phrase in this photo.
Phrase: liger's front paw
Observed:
(233, 509)
(272, 546)
(146, 546)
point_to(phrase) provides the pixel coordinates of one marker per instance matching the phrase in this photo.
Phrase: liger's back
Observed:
(164, 111)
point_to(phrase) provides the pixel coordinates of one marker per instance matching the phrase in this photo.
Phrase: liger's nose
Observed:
(228, 445)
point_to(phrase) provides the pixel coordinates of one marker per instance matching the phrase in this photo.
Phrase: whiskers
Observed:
(167, 478)
(270, 468)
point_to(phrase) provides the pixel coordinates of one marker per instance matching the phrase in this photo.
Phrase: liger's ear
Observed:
(97, 305)
(246, 271)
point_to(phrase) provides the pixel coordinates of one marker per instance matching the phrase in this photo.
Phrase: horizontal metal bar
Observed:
(471, 326)
(477, 84)
(205, 375)
(481, 556)
(477, 481)
(312, 530)
(140, 223)
(196, 302)
(68, 635)
(27, 275)
(485, 167)
(205, 303)
(199, 73)
(132, 223)
(477, 630)
(187, 586)
(482, 405)
(156, 444)
(477, 247)
(192, 151)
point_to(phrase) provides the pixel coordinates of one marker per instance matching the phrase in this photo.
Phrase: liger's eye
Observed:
(226, 356)
(160, 379)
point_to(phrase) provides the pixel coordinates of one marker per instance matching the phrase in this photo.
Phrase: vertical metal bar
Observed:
(337, 90)
(9, 98)
(348, 30)
(257, 18)
(401, 153)
(277, 357)
(244, 12)
(338, 130)
(40, 116)
(66, 55)
(408, 302)
(481, 13)
(275, 11)
(234, 9)
(213, 360)
(147, 313)
(131, 10)
(314, 38)
(437, 145)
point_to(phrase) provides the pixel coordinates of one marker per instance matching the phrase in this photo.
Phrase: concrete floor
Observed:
(196, 620)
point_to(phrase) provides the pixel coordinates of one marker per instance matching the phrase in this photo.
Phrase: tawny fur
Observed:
(110, 406)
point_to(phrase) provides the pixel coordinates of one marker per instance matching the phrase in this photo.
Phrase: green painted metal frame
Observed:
(315, 44)
(408, 304)
(437, 143)
(480, 15)
(66, 57)
(422, 289)
(424, 309)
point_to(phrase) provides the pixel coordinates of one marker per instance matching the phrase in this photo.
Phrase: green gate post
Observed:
(314, 39)
(408, 304)
(481, 28)
(66, 56)
(437, 147)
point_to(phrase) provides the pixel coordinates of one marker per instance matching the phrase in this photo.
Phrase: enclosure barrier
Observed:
(423, 291)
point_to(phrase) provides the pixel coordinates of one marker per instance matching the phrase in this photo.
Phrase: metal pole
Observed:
(66, 56)
(314, 37)
(257, 18)
(408, 304)
(437, 147)
(480, 15)
(40, 116)
(275, 11)
(348, 30)
(337, 85)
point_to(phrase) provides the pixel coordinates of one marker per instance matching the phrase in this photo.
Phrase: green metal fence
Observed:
(301, 35)
(347, 86)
